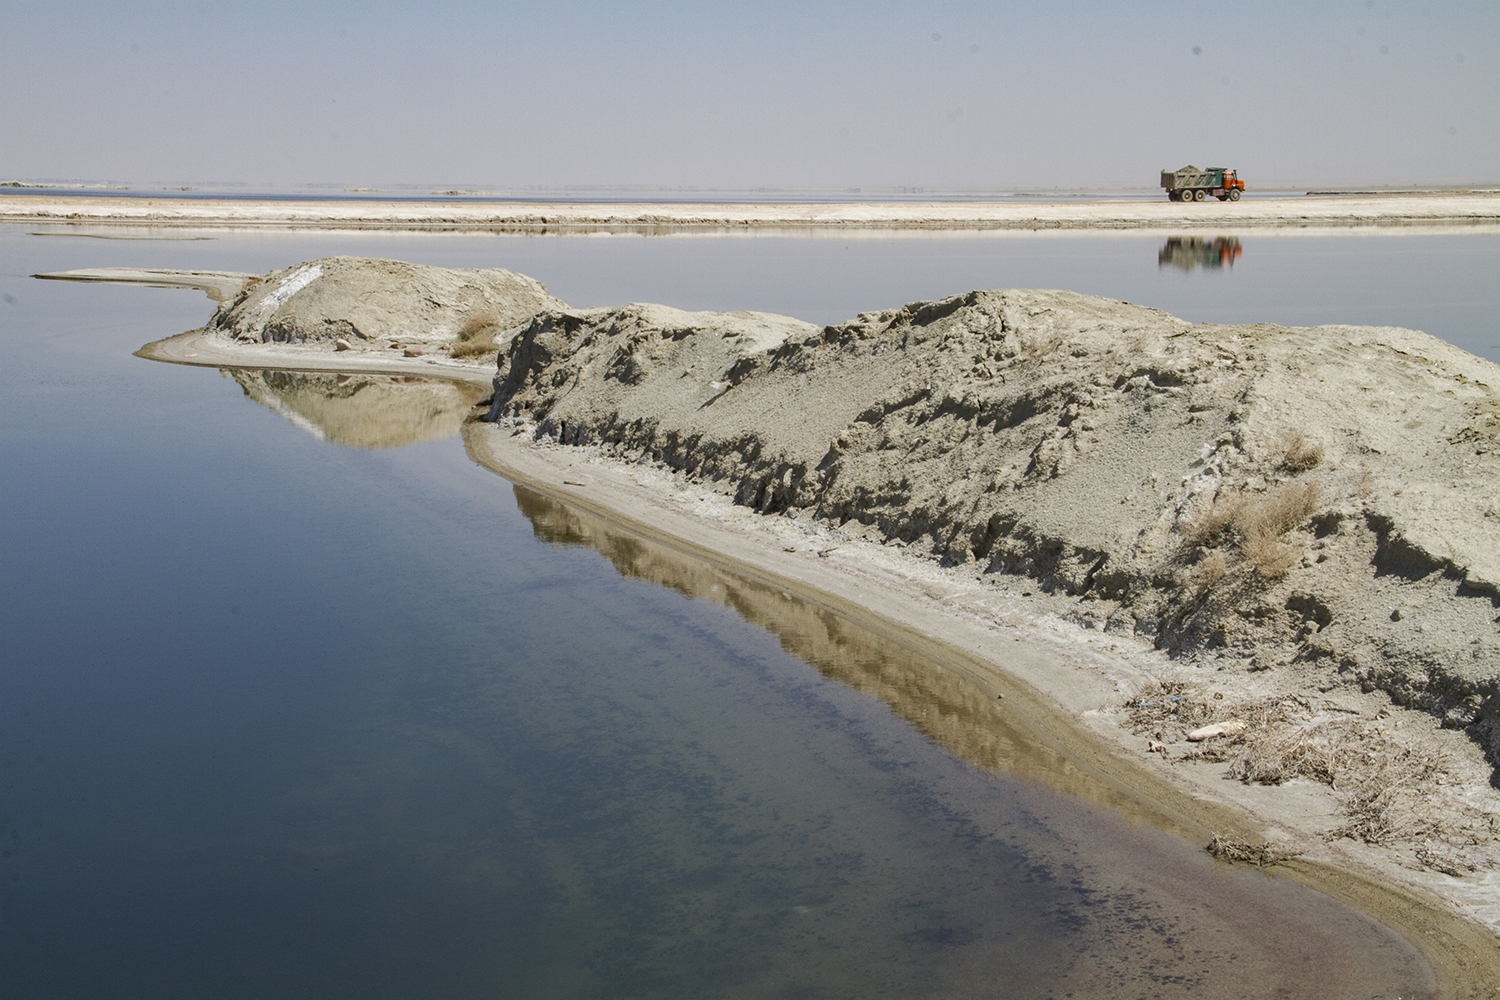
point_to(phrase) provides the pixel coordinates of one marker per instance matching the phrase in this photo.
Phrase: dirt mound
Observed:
(1324, 500)
(361, 300)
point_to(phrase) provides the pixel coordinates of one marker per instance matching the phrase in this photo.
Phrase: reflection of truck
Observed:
(1189, 252)
(1196, 183)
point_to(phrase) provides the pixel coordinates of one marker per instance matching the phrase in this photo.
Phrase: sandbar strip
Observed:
(220, 285)
(1405, 210)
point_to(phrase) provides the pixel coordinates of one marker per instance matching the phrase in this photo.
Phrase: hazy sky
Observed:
(992, 96)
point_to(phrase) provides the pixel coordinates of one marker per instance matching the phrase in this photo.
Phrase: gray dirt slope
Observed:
(1324, 501)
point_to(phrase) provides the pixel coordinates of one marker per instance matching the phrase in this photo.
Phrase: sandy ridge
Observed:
(1282, 213)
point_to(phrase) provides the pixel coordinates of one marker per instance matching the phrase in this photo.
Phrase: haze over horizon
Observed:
(945, 96)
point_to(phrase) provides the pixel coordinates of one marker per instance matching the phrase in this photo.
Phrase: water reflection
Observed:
(362, 411)
(1029, 894)
(951, 711)
(1191, 252)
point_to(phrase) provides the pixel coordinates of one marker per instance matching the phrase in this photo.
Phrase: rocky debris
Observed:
(1231, 727)
(1256, 494)
(361, 301)
(413, 352)
(1235, 851)
(341, 345)
(1407, 787)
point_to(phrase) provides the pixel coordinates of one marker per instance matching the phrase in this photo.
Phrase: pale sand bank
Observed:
(992, 634)
(1442, 210)
(1051, 677)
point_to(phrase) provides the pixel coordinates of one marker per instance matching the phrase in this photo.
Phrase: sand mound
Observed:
(1322, 500)
(362, 300)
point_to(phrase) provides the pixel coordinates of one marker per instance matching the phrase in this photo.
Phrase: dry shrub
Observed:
(1210, 571)
(1299, 452)
(1271, 557)
(478, 323)
(1258, 522)
(477, 336)
(1209, 528)
(1278, 511)
(473, 348)
(1262, 522)
(1268, 516)
(1037, 348)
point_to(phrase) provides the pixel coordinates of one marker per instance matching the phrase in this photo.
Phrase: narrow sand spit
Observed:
(1246, 576)
(1439, 209)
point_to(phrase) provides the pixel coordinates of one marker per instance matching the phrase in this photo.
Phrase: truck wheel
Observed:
(1198, 195)
(1234, 194)
(1171, 195)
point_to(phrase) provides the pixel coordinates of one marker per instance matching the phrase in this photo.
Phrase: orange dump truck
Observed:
(1196, 183)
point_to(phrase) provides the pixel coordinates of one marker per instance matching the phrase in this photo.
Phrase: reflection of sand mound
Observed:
(362, 411)
(954, 712)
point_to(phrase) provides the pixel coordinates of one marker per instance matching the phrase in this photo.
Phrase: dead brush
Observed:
(1260, 715)
(1277, 754)
(1387, 788)
(1298, 452)
(1258, 523)
(477, 336)
(1174, 705)
(1210, 528)
(1202, 577)
(1262, 524)
(1385, 784)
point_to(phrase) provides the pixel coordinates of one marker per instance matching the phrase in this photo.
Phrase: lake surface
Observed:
(281, 716)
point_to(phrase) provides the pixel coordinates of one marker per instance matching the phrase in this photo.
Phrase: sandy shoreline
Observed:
(1313, 212)
(1054, 678)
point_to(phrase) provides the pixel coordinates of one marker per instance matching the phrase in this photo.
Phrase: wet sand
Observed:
(1051, 682)
(1156, 213)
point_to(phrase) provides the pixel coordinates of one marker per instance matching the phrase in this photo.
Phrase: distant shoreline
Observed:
(1340, 212)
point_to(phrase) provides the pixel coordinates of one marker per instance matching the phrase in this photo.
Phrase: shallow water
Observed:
(280, 716)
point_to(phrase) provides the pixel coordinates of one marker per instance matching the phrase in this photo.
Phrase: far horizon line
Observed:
(408, 190)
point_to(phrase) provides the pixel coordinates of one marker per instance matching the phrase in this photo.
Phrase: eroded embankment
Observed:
(1321, 500)
(1308, 510)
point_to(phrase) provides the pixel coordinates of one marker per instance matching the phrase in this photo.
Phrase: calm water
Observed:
(280, 716)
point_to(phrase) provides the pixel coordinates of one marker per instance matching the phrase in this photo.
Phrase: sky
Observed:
(959, 96)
